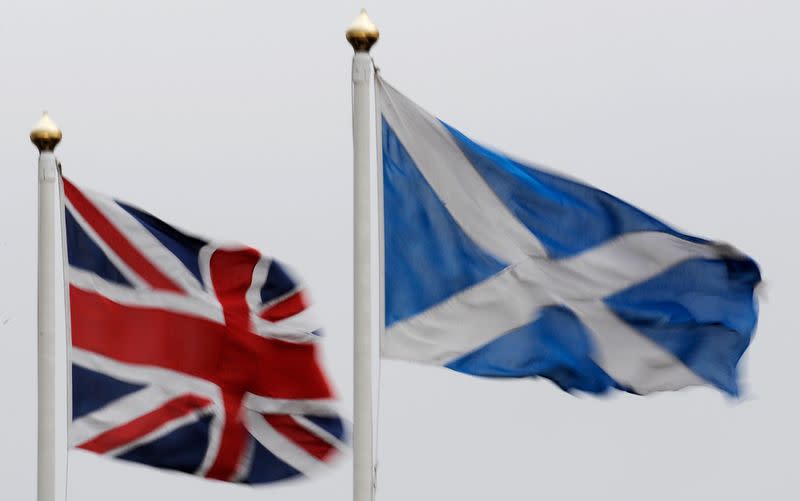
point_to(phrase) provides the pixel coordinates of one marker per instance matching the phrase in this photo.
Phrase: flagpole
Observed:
(362, 35)
(46, 135)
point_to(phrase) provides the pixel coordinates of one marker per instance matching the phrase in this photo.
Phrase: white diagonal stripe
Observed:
(321, 433)
(629, 357)
(619, 263)
(144, 241)
(174, 383)
(119, 412)
(161, 431)
(513, 298)
(468, 320)
(282, 447)
(112, 256)
(462, 190)
(171, 383)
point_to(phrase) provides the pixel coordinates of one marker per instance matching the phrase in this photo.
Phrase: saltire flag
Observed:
(188, 354)
(501, 269)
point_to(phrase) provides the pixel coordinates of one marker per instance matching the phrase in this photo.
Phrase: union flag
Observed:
(190, 354)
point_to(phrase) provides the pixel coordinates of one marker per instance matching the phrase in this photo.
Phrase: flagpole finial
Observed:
(362, 33)
(45, 134)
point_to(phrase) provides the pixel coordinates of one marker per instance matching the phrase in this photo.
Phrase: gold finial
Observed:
(45, 134)
(363, 33)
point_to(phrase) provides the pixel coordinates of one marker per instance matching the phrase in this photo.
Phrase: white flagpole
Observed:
(46, 135)
(362, 35)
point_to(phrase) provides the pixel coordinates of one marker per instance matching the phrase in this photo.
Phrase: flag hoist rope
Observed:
(362, 34)
(67, 320)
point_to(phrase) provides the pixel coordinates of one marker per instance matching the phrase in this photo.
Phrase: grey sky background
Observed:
(232, 119)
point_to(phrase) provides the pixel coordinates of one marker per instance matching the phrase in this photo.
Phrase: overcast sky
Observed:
(232, 119)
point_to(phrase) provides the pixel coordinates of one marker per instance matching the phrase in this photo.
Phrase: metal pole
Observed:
(46, 136)
(362, 34)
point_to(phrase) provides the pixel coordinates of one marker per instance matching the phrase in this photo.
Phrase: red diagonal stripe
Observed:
(147, 423)
(117, 241)
(286, 308)
(300, 435)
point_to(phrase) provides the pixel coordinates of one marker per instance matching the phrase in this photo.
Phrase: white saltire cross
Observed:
(516, 296)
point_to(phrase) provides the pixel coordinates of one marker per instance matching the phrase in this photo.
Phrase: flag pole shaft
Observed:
(46, 136)
(362, 35)
(46, 328)
(362, 354)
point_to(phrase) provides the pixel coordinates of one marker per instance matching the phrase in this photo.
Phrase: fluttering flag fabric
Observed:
(189, 354)
(497, 268)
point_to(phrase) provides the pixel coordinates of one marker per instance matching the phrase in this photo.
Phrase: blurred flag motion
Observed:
(189, 354)
(497, 268)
